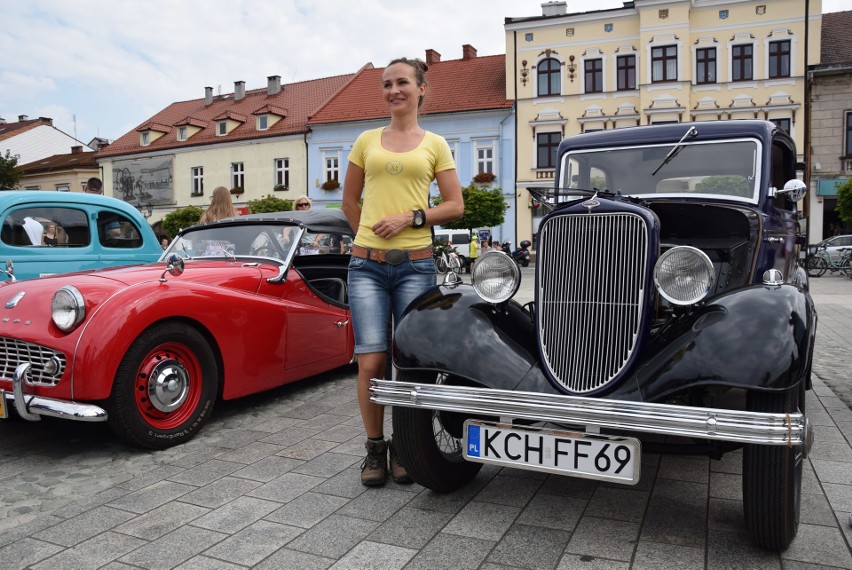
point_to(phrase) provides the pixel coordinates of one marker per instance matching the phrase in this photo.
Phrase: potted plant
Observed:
(331, 184)
(237, 190)
(279, 188)
(484, 178)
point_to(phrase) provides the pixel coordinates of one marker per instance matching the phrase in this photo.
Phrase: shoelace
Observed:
(373, 461)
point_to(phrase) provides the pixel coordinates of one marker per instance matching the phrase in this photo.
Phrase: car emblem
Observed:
(13, 302)
(590, 203)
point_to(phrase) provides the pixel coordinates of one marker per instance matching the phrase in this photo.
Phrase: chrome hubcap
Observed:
(168, 385)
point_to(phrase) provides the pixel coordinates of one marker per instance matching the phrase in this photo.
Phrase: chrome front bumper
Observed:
(31, 407)
(684, 421)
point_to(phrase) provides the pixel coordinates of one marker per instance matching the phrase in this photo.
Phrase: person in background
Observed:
(221, 206)
(113, 230)
(165, 243)
(94, 186)
(495, 246)
(302, 203)
(473, 253)
(391, 168)
(50, 237)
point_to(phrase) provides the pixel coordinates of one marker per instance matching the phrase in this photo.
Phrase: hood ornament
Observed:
(13, 302)
(591, 203)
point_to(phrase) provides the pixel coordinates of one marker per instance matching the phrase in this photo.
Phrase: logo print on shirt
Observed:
(394, 167)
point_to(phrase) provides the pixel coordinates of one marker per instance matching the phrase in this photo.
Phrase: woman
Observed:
(220, 207)
(391, 168)
(50, 237)
(302, 203)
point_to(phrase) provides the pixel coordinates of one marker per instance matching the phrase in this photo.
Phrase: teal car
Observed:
(45, 233)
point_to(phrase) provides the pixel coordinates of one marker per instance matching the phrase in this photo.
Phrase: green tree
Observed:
(844, 201)
(484, 207)
(269, 203)
(732, 185)
(181, 218)
(10, 172)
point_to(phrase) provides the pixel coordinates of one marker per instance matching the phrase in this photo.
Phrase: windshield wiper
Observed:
(675, 149)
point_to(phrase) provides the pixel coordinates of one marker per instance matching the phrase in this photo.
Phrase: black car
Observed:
(670, 315)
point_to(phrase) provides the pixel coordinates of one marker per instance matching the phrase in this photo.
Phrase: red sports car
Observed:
(232, 308)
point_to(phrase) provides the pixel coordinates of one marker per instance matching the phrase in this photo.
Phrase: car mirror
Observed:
(10, 269)
(174, 267)
(795, 190)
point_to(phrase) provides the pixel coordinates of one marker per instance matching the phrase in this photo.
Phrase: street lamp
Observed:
(145, 209)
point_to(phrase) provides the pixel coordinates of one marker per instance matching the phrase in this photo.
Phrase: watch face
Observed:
(418, 219)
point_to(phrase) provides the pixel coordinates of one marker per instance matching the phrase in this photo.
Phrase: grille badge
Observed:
(590, 203)
(13, 302)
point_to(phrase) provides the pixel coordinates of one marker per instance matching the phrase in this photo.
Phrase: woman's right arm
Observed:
(353, 187)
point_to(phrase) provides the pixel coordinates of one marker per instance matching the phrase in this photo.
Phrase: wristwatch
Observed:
(419, 219)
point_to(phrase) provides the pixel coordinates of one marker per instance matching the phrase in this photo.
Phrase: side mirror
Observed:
(10, 270)
(174, 267)
(795, 190)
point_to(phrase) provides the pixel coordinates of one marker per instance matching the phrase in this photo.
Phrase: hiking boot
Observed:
(398, 472)
(374, 469)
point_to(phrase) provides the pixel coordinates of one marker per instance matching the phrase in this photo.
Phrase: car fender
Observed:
(451, 329)
(255, 357)
(757, 337)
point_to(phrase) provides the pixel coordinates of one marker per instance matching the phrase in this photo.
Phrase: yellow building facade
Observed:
(653, 61)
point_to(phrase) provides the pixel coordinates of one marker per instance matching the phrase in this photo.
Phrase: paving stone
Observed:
(530, 547)
(377, 504)
(234, 438)
(239, 513)
(604, 538)
(289, 436)
(655, 555)
(309, 448)
(172, 549)
(375, 555)
(84, 526)
(286, 558)
(553, 511)
(676, 513)
(206, 563)
(307, 510)
(267, 468)
(286, 487)
(833, 471)
(831, 451)
(512, 491)
(726, 515)
(192, 454)
(92, 553)
(410, 527)
(574, 561)
(485, 521)
(276, 424)
(162, 520)
(815, 509)
(28, 529)
(206, 472)
(250, 453)
(254, 543)
(326, 465)
(726, 486)
(451, 551)
(220, 492)
(569, 487)
(334, 536)
(736, 550)
(819, 545)
(345, 484)
(151, 497)
(839, 496)
(26, 552)
(624, 503)
(684, 468)
(151, 476)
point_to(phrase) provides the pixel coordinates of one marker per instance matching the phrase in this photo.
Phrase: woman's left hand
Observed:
(388, 227)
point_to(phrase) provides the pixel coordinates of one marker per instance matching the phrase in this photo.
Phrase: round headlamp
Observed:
(495, 277)
(684, 275)
(67, 308)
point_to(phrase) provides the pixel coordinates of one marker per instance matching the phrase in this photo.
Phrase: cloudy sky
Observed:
(101, 67)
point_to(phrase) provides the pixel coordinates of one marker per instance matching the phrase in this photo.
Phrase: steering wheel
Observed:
(265, 251)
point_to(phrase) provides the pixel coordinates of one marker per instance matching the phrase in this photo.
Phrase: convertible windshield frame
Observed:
(711, 170)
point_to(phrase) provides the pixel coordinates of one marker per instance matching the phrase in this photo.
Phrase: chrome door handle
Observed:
(341, 324)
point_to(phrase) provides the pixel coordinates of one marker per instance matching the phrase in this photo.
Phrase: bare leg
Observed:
(370, 365)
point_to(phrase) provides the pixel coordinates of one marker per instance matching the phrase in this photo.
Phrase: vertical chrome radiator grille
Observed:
(592, 271)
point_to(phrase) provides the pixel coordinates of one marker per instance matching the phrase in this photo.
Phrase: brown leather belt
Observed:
(391, 256)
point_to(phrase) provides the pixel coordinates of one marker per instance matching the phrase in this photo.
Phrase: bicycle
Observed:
(447, 261)
(816, 264)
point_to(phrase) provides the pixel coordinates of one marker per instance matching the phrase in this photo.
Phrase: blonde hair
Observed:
(220, 207)
(303, 198)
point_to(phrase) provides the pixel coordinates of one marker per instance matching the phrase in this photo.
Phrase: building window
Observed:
(485, 158)
(779, 59)
(705, 65)
(742, 63)
(848, 135)
(197, 178)
(237, 175)
(549, 82)
(332, 167)
(282, 173)
(783, 124)
(626, 67)
(63, 187)
(181, 133)
(664, 64)
(145, 138)
(221, 128)
(547, 144)
(594, 75)
(262, 122)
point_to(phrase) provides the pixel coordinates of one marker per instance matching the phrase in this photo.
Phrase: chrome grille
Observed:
(14, 352)
(592, 270)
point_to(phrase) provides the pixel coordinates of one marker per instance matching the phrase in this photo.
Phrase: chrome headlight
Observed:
(67, 308)
(684, 275)
(495, 277)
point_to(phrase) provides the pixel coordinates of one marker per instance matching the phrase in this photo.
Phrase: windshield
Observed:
(253, 240)
(727, 169)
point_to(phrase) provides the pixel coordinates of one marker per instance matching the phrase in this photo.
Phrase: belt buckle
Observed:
(394, 256)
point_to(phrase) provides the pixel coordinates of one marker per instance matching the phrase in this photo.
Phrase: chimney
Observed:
(468, 52)
(239, 90)
(2, 121)
(46, 121)
(77, 149)
(432, 57)
(208, 95)
(22, 118)
(273, 84)
(554, 9)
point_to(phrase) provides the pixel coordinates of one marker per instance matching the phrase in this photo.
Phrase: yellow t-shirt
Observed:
(396, 182)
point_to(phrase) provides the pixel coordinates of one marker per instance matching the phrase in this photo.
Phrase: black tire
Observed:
(428, 442)
(815, 266)
(772, 478)
(157, 415)
(525, 262)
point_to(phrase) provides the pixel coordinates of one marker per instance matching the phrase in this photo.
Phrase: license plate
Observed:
(590, 456)
(4, 413)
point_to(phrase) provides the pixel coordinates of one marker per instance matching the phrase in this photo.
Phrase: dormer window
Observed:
(221, 128)
(144, 138)
(262, 122)
(181, 133)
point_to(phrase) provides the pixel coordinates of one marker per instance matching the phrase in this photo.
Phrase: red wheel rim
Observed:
(168, 386)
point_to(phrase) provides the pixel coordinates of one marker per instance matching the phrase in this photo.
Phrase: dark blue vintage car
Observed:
(670, 316)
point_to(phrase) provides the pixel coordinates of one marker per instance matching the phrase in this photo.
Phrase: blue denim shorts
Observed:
(377, 290)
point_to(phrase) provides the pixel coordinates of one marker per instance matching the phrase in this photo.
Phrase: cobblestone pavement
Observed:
(272, 482)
